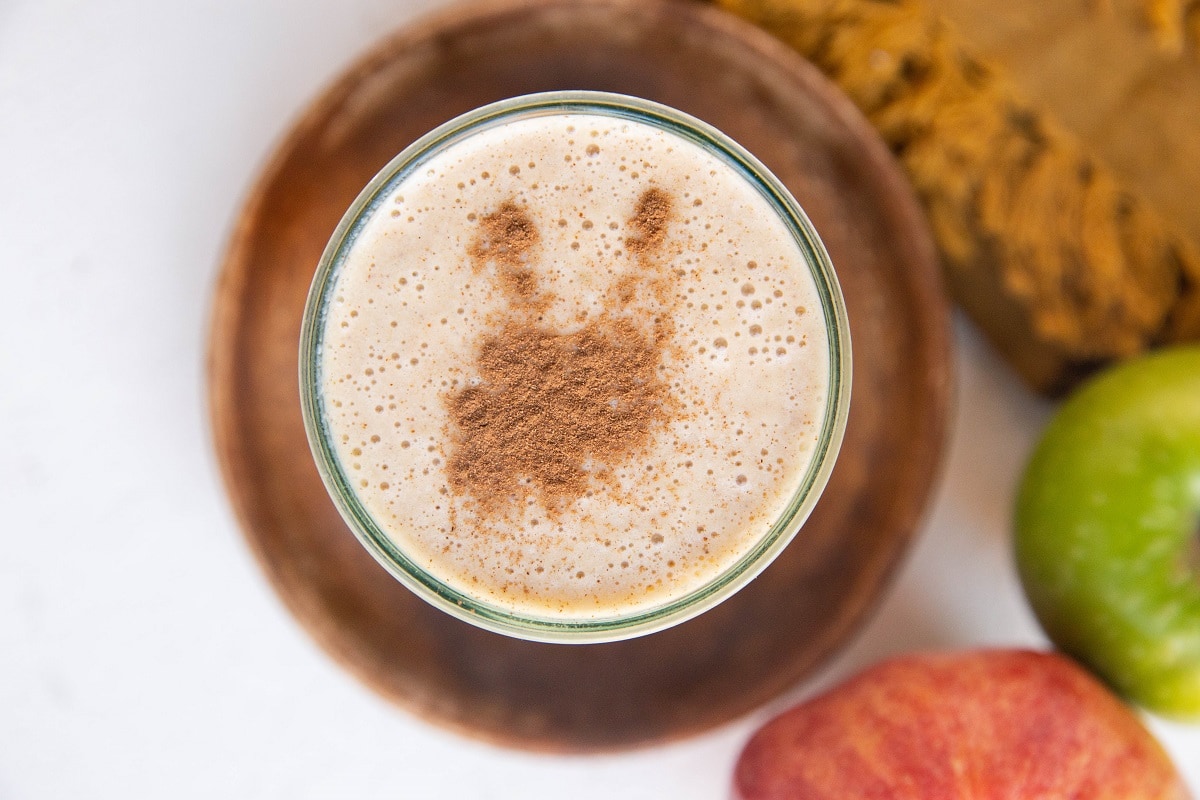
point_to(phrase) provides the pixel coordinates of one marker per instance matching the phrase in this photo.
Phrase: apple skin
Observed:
(980, 725)
(1107, 531)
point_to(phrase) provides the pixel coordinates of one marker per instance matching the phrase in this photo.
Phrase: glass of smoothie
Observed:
(575, 367)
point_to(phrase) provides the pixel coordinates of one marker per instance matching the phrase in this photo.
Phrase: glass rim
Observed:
(639, 622)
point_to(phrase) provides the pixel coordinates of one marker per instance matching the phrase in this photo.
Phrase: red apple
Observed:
(1009, 724)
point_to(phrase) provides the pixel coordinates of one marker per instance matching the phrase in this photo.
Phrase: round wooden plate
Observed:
(767, 637)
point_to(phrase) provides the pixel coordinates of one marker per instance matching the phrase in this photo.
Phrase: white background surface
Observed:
(141, 652)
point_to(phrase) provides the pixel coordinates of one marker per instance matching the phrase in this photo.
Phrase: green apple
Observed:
(1107, 529)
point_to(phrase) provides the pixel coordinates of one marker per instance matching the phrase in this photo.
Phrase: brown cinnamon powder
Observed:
(550, 404)
(553, 411)
(507, 236)
(650, 221)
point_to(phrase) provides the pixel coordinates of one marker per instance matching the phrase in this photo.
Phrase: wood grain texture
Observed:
(1103, 69)
(1064, 267)
(800, 610)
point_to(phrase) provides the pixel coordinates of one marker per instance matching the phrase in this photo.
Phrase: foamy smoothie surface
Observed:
(574, 366)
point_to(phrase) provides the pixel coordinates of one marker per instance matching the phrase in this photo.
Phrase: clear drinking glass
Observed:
(755, 558)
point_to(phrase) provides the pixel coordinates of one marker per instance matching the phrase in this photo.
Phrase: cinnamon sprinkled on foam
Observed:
(554, 411)
(548, 404)
(564, 370)
(650, 221)
(506, 238)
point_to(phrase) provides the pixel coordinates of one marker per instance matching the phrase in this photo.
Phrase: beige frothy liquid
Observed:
(574, 366)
